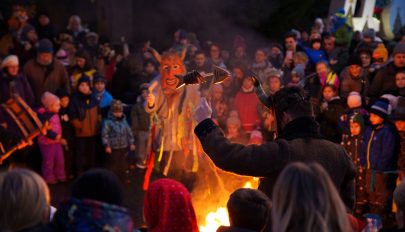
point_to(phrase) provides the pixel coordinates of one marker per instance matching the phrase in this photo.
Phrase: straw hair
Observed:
(305, 200)
(24, 198)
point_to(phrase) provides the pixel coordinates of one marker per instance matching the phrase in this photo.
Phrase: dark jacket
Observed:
(140, 119)
(85, 115)
(384, 81)
(90, 215)
(329, 120)
(349, 83)
(300, 141)
(46, 78)
(379, 148)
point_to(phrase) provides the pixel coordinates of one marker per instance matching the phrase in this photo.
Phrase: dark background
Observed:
(259, 21)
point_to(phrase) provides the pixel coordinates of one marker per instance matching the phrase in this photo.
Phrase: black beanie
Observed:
(84, 78)
(355, 60)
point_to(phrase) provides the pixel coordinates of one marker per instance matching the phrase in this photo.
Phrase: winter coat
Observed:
(300, 140)
(246, 104)
(353, 144)
(341, 55)
(315, 55)
(84, 114)
(54, 124)
(90, 215)
(116, 133)
(14, 85)
(140, 119)
(329, 120)
(105, 100)
(379, 148)
(46, 78)
(384, 80)
(349, 83)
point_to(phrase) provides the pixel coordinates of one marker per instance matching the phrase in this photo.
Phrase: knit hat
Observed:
(48, 99)
(399, 113)
(381, 108)
(393, 100)
(45, 46)
(355, 60)
(299, 70)
(9, 61)
(98, 78)
(369, 33)
(399, 48)
(354, 100)
(84, 78)
(116, 106)
(380, 52)
(358, 118)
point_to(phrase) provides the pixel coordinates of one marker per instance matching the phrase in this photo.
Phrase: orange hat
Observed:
(380, 52)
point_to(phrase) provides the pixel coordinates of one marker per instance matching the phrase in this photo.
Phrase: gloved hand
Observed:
(203, 110)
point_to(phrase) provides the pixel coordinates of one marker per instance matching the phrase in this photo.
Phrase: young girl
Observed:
(331, 108)
(352, 143)
(53, 163)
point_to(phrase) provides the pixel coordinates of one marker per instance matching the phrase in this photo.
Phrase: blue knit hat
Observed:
(45, 46)
(381, 108)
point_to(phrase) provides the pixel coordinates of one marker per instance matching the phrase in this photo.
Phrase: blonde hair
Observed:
(301, 58)
(305, 199)
(24, 198)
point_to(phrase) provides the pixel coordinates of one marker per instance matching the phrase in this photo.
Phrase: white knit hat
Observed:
(48, 99)
(9, 61)
(354, 100)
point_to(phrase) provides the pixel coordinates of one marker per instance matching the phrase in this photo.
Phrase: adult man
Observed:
(299, 140)
(385, 79)
(44, 73)
(338, 55)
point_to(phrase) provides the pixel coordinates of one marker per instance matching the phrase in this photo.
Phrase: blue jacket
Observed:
(315, 55)
(379, 147)
(117, 133)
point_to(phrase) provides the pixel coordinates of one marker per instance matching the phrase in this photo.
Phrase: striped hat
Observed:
(381, 108)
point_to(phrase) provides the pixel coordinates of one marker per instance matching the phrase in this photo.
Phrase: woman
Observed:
(24, 198)
(305, 199)
(168, 207)
(13, 82)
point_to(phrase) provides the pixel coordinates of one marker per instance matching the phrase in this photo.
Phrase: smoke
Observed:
(217, 21)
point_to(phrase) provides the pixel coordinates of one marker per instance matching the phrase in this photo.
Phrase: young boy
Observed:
(378, 157)
(103, 96)
(53, 163)
(85, 117)
(352, 143)
(140, 122)
(117, 138)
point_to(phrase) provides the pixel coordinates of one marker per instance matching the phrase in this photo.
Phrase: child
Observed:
(274, 80)
(400, 83)
(331, 108)
(354, 105)
(352, 143)
(256, 137)
(378, 157)
(117, 138)
(234, 132)
(53, 163)
(325, 75)
(67, 133)
(103, 96)
(246, 103)
(315, 53)
(140, 122)
(297, 74)
(85, 117)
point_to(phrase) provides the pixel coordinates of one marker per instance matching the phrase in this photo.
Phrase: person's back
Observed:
(299, 140)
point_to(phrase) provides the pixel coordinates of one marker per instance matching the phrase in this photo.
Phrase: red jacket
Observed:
(246, 104)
